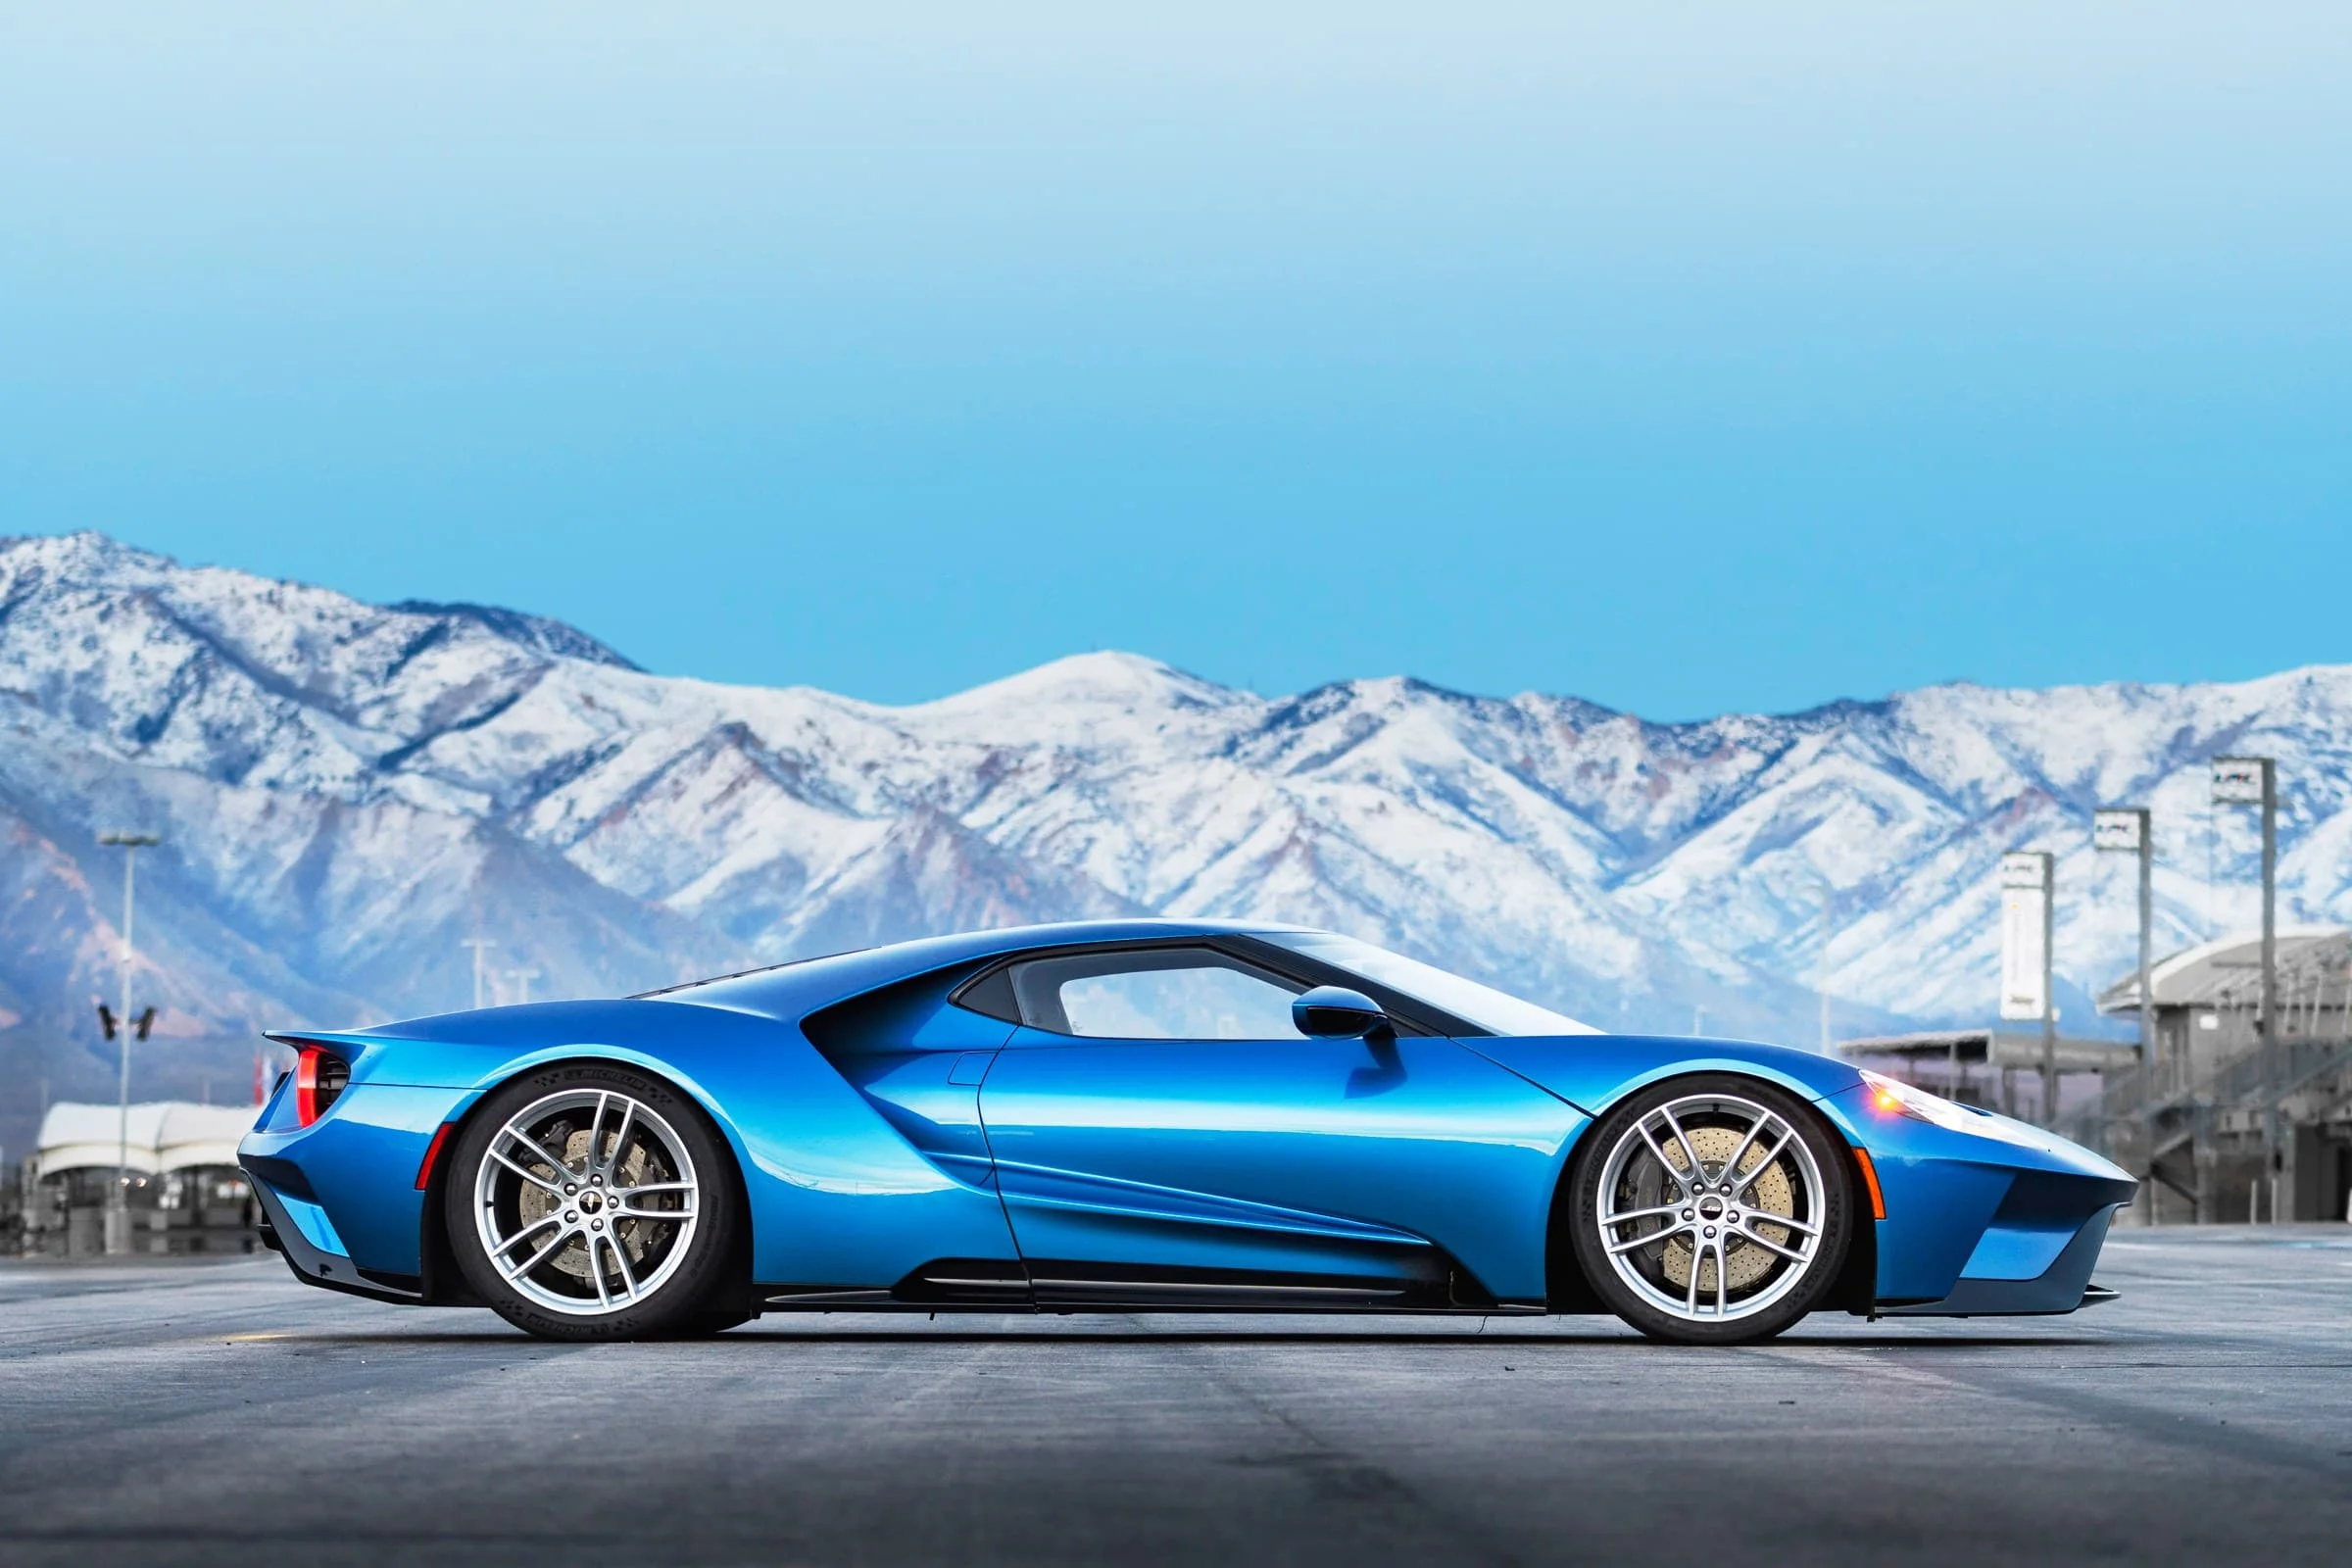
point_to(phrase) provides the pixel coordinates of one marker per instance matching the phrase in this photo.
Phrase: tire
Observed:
(621, 1230)
(708, 1323)
(1737, 1256)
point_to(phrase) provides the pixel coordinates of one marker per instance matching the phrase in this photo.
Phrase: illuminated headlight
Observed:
(1893, 1098)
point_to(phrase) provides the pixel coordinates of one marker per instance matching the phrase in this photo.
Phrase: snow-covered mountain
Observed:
(347, 792)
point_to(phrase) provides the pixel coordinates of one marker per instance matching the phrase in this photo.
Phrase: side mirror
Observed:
(1335, 1012)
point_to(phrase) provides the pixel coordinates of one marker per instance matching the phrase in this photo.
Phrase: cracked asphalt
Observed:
(220, 1412)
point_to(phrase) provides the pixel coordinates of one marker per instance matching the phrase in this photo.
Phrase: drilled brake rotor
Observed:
(1772, 1193)
(535, 1203)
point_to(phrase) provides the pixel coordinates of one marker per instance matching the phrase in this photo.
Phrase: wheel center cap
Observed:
(591, 1202)
(1710, 1208)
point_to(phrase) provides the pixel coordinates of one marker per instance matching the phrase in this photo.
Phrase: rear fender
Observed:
(834, 1193)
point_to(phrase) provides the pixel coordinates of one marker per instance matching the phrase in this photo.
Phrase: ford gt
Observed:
(1144, 1116)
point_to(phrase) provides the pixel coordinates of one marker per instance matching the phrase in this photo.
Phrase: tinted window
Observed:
(1166, 993)
(1493, 1011)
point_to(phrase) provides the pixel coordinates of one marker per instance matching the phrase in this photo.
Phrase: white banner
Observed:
(2023, 879)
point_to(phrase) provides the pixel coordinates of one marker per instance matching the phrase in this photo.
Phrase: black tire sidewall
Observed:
(1830, 1153)
(699, 1282)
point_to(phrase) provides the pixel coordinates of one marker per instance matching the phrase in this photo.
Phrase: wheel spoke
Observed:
(1684, 1182)
(1616, 1247)
(620, 1138)
(1770, 1245)
(1698, 1172)
(1763, 1165)
(531, 1176)
(595, 1142)
(625, 1208)
(536, 1258)
(1611, 1221)
(532, 1229)
(1732, 1165)
(1699, 1253)
(1765, 1217)
(620, 1256)
(538, 1150)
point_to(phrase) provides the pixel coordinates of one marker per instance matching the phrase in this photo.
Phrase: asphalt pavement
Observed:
(220, 1412)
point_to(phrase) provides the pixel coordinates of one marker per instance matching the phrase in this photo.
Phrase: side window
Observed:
(1168, 993)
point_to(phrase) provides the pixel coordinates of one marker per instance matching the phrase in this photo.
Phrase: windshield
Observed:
(1483, 1006)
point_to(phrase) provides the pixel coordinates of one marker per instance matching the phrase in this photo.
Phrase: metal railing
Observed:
(2253, 1080)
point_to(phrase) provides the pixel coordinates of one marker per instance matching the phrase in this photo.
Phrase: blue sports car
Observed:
(1144, 1116)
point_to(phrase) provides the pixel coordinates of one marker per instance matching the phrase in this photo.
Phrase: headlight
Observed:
(1894, 1098)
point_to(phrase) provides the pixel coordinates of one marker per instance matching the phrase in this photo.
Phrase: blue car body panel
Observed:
(881, 1128)
(1306, 1155)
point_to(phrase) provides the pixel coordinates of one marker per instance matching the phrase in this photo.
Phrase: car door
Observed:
(1162, 1132)
(918, 1060)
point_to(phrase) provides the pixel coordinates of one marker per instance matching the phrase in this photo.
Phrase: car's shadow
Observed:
(767, 1335)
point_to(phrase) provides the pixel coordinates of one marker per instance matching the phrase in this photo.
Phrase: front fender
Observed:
(1593, 1073)
(2000, 1206)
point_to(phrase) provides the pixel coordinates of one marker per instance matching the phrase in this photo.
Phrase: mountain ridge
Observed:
(347, 792)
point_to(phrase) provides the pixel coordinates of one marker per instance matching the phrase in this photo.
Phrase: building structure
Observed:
(2230, 1120)
(186, 1192)
(11, 1209)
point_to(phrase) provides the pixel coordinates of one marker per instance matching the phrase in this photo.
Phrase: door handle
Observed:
(970, 1068)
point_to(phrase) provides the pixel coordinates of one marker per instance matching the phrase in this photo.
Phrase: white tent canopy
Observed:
(166, 1135)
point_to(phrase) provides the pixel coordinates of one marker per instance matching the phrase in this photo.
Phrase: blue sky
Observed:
(1687, 357)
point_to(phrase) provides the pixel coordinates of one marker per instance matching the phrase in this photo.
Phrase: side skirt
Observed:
(994, 1285)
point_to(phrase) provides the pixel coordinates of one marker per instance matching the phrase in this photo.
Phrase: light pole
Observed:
(118, 1218)
(2254, 781)
(522, 979)
(2028, 917)
(480, 945)
(2126, 829)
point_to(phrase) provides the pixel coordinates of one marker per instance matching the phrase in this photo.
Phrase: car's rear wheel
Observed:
(1712, 1210)
(589, 1202)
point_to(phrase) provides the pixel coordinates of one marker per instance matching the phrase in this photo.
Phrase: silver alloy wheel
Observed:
(586, 1201)
(1711, 1179)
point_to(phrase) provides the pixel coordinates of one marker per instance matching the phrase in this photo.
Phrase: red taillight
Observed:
(306, 1086)
(318, 1077)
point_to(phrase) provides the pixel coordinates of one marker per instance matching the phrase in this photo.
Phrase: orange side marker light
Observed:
(1870, 1179)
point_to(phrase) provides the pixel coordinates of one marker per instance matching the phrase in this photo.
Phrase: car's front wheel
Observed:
(1712, 1210)
(589, 1202)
